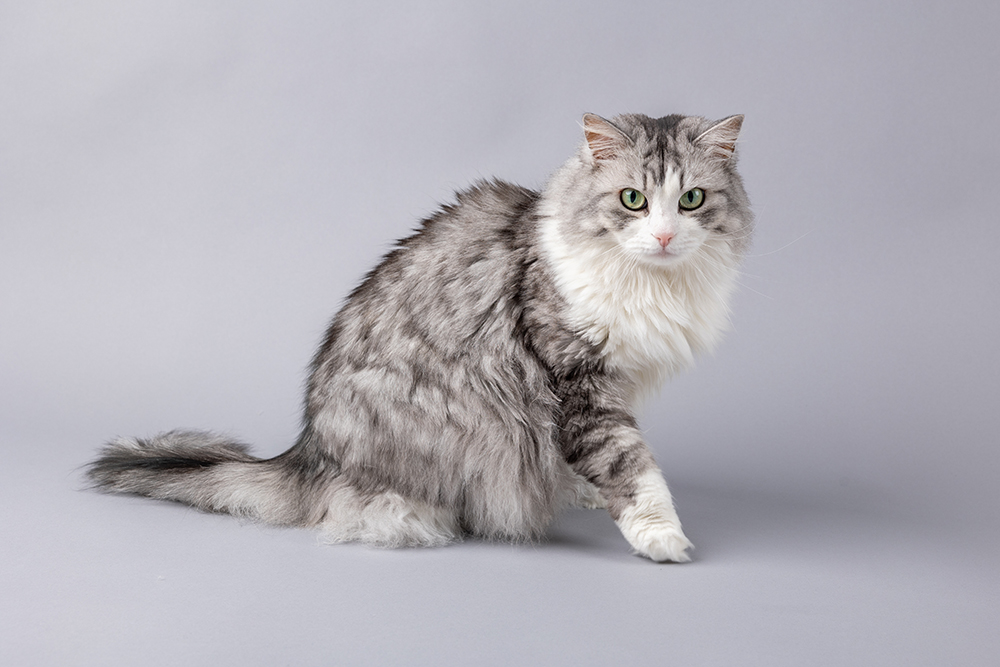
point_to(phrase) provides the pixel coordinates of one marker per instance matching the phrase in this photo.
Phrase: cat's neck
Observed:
(648, 321)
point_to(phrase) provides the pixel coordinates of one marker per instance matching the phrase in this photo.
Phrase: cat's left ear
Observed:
(720, 139)
(604, 140)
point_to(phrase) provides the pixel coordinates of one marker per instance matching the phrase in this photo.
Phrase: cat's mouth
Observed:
(663, 256)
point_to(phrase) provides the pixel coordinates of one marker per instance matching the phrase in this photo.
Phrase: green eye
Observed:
(633, 200)
(692, 199)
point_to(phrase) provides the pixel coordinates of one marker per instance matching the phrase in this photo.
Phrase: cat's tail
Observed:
(212, 473)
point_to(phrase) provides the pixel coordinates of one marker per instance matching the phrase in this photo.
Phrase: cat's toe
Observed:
(658, 538)
(667, 545)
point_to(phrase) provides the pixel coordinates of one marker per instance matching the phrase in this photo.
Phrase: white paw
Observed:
(656, 536)
(589, 498)
(595, 502)
(666, 544)
(651, 525)
(578, 492)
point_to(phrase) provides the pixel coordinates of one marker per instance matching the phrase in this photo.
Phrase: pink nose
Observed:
(664, 238)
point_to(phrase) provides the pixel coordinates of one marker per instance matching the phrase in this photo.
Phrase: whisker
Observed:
(771, 252)
(744, 286)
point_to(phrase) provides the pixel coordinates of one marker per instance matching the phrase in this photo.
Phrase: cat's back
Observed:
(485, 222)
(453, 283)
(470, 248)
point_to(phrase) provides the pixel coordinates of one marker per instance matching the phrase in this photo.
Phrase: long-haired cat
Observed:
(485, 374)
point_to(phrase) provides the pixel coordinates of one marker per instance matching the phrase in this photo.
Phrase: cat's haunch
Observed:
(486, 373)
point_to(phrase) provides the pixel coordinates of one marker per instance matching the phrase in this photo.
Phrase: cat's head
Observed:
(655, 190)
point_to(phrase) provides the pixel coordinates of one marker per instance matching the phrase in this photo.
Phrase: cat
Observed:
(485, 374)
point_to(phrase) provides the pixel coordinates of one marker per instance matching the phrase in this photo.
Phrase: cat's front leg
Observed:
(605, 447)
(650, 522)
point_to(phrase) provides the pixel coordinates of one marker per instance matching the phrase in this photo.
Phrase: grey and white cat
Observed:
(485, 374)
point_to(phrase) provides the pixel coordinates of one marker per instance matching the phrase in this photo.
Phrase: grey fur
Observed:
(452, 394)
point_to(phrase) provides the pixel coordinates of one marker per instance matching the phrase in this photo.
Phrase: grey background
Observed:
(188, 190)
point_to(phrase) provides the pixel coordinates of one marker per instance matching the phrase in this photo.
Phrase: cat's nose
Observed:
(664, 238)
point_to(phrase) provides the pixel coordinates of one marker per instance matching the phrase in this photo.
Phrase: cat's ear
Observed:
(604, 140)
(720, 139)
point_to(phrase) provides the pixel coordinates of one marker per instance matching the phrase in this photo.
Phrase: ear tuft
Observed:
(720, 139)
(604, 140)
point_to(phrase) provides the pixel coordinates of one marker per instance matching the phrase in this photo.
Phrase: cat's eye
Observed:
(692, 199)
(633, 200)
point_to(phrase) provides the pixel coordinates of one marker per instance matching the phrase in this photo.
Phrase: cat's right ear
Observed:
(720, 139)
(604, 140)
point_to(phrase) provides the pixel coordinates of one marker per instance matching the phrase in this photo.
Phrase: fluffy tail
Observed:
(210, 472)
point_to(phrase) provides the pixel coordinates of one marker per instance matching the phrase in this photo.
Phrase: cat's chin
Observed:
(662, 258)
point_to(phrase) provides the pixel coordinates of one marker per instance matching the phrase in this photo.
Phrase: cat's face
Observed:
(655, 191)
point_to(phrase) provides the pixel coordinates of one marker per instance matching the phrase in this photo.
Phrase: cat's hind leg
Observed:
(386, 519)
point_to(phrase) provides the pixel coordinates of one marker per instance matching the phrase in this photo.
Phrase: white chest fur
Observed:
(649, 320)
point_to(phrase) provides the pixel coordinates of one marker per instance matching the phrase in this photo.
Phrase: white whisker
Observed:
(793, 242)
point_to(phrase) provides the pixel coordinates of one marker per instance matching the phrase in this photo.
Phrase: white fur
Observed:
(650, 524)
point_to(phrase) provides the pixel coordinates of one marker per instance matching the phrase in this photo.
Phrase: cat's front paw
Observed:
(650, 523)
(666, 543)
(595, 502)
(588, 497)
(581, 493)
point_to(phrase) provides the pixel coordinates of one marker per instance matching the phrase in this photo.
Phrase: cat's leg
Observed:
(602, 443)
(650, 522)
(386, 519)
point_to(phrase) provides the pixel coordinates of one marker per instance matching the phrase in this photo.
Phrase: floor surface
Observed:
(777, 579)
